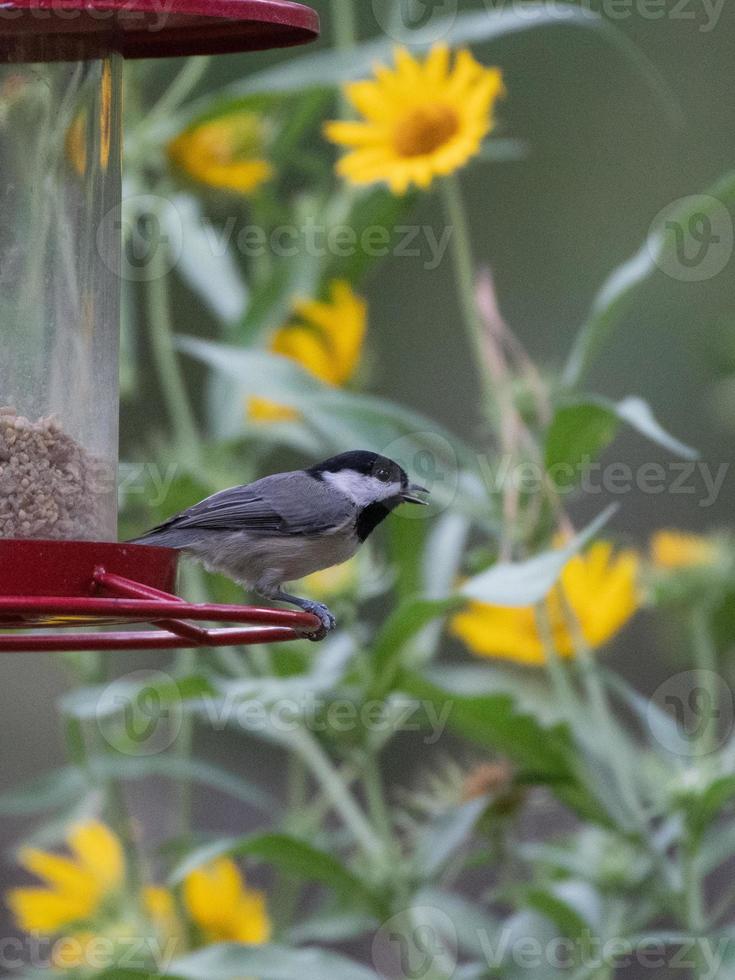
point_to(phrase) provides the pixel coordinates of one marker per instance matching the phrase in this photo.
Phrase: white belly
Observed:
(264, 562)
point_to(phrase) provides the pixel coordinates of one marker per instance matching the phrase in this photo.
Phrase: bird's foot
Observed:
(325, 617)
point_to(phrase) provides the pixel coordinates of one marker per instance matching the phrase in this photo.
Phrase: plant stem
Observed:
(286, 889)
(706, 659)
(464, 271)
(119, 818)
(695, 912)
(173, 388)
(344, 24)
(345, 37)
(342, 800)
(187, 447)
(615, 746)
(375, 793)
(181, 87)
(556, 670)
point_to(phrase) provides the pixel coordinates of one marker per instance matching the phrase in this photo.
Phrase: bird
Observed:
(283, 527)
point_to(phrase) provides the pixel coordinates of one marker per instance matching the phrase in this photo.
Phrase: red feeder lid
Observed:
(58, 30)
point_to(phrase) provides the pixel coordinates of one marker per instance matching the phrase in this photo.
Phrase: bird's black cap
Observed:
(365, 462)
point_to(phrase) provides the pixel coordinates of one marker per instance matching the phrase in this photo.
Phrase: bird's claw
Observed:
(325, 617)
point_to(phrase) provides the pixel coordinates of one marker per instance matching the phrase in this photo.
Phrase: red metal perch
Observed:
(65, 585)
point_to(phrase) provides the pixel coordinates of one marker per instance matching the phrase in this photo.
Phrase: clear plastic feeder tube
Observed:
(59, 298)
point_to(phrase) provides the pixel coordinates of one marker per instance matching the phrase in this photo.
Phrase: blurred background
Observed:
(603, 160)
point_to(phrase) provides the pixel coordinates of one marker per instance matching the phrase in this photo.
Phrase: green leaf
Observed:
(506, 956)
(206, 265)
(494, 721)
(272, 962)
(175, 767)
(149, 693)
(444, 553)
(564, 918)
(402, 625)
(442, 837)
(637, 413)
(330, 67)
(717, 847)
(581, 430)
(406, 548)
(621, 288)
(374, 208)
(297, 274)
(473, 924)
(526, 583)
(334, 927)
(577, 435)
(291, 855)
(700, 813)
(662, 725)
(543, 753)
(295, 694)
(50, 791)
(529, 689)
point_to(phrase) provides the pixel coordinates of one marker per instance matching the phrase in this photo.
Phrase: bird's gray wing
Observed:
(287, 503)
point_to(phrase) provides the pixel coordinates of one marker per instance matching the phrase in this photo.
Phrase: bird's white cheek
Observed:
(362, 489)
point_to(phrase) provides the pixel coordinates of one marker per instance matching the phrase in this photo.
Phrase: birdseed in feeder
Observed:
(50, 486)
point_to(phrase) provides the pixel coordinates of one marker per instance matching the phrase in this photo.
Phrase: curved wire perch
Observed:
(134, 602)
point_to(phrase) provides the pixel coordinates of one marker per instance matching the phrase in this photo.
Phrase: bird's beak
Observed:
(411, 494)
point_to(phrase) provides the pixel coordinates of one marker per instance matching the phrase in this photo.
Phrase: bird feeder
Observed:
(60, 181)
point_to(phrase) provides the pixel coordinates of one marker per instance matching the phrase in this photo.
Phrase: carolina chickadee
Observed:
(288, 525)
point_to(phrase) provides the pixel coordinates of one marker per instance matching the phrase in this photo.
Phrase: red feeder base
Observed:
(88, 583)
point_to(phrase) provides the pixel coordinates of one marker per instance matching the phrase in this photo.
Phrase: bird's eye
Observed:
(383, 475)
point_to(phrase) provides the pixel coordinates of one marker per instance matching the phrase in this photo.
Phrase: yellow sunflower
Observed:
(599, 587)
(76, 887)
(421, 120)
(222, 906)
(225, 153)
(672, 550)
(325, 338)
